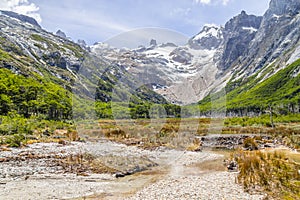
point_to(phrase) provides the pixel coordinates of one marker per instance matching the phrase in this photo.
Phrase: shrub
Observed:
(250, 144)
(15, 140)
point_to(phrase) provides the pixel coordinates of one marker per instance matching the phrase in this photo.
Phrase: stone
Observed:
(238, 34)
(210, 37)
(20, 17)
(233, 166)
(61, 34)
(153, 42)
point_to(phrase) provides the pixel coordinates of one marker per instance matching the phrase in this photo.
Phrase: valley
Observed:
(215, 118)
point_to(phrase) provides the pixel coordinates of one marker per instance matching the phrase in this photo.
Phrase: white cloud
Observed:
(223, 2)
(22, 7)
(203, 1)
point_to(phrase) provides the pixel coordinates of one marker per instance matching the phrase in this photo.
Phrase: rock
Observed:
(181, 55)
(20, 17)
(233, 166)
(61, 34)
(278, 32)
(210, 37)
(153, 42)
(238, 34)
(82, 43)
(168, 44)
(56, 59)
(280, 7)
(119, 175)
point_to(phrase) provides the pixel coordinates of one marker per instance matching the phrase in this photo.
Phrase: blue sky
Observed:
(100, 20)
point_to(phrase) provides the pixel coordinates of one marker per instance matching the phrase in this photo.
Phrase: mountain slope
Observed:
(45, 72)
(216, 55)
(255, 95)
(247, 57)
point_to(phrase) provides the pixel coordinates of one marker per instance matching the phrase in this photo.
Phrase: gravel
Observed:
(29, 173)
(216, 185)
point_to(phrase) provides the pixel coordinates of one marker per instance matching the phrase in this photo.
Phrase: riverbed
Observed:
(32, 172)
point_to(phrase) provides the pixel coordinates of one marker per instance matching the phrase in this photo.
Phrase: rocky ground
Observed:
(62, 171)
(213, 185)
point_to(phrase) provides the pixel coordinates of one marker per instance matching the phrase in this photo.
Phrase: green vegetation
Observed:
(29, 104)
(38, 38)
(76, 49)
(30, 96)
(262, 120)
(254, 94)
(121, 100)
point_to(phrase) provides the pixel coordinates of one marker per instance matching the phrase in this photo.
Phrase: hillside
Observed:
(54, 78)
(247, 47)
(215, 118)
(48, 77)
(256, 94)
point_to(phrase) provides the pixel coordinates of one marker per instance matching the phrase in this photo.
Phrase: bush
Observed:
(250, 144)
(15, 140)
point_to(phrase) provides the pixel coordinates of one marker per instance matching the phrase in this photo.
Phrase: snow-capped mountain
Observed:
(216, 57)
(181, 74)
(210, 37)
(246, 44)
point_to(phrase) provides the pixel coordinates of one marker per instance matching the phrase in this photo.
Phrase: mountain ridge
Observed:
(247, 47)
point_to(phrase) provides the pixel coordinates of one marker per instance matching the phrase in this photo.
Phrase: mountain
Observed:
(20, 17)
(210, 37)
(47, 75)
(61, 34)
(238, 33)
(217, 57)
(252, 59)
(263, 65)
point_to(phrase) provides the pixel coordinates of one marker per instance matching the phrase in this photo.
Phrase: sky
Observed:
(110, 20)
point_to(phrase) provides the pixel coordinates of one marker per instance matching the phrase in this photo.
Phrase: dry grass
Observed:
(270, 172)
(195, 146)
(81, 164)
(179, 133)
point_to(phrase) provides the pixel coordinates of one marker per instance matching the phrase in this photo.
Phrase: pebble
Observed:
(35, 177)
(216, 185)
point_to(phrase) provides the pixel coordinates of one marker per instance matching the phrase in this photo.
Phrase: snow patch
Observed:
(211, 32)
(276, 16)
(295, 56)
(211, 26)
(251, 29)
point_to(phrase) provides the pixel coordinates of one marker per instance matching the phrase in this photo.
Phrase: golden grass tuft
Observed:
(270, 172)
(195, 146)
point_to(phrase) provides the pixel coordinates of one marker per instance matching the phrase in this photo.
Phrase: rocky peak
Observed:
(238, 34)
(279, 32)
(61, 34)
(20, 17)
(242, 21)
(210, 37)
(283, 7)
(153, 42)
(81, 43)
